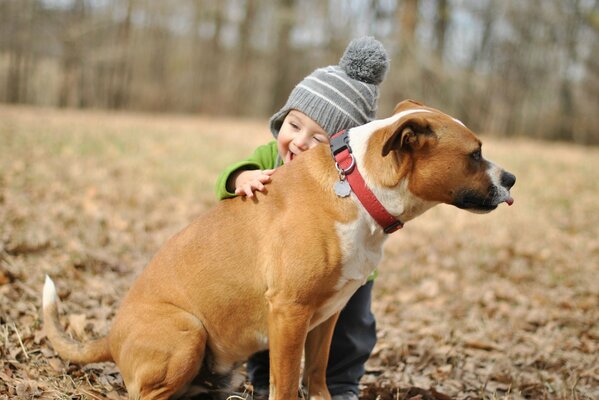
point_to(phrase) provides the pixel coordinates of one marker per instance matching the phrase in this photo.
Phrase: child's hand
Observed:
(246, 182)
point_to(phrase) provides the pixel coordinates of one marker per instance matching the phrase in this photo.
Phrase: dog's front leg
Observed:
(287, 330)
(318, 345)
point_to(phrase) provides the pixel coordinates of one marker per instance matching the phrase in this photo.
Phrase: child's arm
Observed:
(247, 176)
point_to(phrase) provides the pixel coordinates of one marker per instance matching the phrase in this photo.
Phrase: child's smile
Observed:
(298, 134)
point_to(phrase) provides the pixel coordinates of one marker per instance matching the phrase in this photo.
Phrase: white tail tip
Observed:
(50, 296)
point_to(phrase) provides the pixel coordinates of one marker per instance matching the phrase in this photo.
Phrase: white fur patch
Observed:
(334, 304)
(502, 193)
(375, 125)
(262, 340)
(458, 121)
(49, 296)
(361, 248)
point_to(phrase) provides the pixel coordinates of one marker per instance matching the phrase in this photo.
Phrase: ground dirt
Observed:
(497, 306)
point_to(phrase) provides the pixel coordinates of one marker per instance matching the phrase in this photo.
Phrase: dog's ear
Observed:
(408, 134)
(406, 104)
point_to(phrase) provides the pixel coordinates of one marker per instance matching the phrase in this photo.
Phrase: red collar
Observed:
(346, 165)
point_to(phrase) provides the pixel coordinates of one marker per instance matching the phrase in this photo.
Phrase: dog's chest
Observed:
(361, 249)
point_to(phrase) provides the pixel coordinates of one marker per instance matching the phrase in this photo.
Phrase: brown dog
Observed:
(275, 271)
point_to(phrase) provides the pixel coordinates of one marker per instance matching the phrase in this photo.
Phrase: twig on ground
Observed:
(14, 327)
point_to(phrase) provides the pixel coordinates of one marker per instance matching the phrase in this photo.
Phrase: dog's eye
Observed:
(476, 155)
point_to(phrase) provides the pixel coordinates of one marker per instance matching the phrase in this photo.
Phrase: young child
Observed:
(325, 102)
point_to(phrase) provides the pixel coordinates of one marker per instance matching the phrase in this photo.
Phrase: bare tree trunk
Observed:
(121, 71)
(20, 51)
(441, 26)
(404, 78)
(244, 56)
(69, 71)
(588, 133)
(474, 105)
(408, 20)
(159, 47)
(13, 78)
(282, 86)
(199, 51)
(72, 59)
(566, 129)
(210, 93)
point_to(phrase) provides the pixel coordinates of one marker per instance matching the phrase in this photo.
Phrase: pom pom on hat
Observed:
(365, 59)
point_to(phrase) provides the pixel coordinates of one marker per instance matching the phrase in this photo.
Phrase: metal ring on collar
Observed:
(349, 169)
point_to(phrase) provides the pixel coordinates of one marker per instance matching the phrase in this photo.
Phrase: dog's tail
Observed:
(81, 353)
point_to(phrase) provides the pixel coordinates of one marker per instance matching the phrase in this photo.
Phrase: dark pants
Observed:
(353, 340)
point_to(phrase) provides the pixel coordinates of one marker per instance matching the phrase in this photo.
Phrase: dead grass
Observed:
(500, 306)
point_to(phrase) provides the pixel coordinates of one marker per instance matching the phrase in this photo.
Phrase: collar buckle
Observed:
(340, 142)
(393, 227)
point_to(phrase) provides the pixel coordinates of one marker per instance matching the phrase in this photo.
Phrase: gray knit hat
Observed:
(340, 96)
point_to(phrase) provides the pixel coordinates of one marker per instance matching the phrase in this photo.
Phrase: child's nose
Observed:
(302, 142)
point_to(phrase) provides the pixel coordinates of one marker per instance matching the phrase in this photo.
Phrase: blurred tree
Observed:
(241, 87)
(18, 18)
(443, 14)
(72, 36)
(588, 93)
(281, 56)
(408, 20)
(508, 67)
(120, 71)
(404, 76)
(208, 54)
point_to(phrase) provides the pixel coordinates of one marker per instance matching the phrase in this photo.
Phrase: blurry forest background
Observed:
(505, 67)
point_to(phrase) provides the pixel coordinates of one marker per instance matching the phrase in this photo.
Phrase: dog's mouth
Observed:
(477, 202)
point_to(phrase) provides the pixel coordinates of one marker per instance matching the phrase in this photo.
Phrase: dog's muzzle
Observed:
(478, 202)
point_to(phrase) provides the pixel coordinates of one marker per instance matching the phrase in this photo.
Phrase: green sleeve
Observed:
(264, 157)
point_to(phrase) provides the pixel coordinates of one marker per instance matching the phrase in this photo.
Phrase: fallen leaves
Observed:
(501, 306)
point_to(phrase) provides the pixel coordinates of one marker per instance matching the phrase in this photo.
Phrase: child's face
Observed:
(297, 134)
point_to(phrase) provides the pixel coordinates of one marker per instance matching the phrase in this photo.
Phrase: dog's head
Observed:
(431, 158)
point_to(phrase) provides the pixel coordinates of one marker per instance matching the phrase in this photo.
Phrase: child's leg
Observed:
(258, 372)
(353, 341)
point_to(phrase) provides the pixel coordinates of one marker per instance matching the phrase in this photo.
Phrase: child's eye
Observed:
(320, 139)
(294, 125)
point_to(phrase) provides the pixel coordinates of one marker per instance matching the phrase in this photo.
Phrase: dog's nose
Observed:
(507, 180)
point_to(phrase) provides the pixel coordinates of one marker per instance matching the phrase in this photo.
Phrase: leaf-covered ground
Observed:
(498, 306)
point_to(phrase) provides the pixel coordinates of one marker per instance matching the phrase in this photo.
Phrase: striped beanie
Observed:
(340, 96)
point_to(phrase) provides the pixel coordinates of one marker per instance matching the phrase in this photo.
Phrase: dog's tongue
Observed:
(509, 201)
